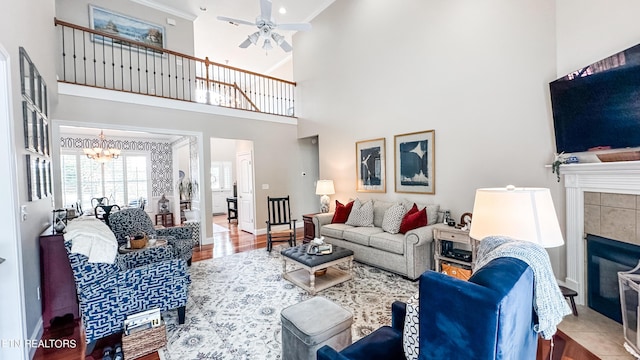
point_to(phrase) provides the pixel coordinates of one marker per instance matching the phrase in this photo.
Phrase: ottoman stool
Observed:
(311, 324)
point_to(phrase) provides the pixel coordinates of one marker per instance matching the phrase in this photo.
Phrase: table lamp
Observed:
(325, 188)
(519, 213)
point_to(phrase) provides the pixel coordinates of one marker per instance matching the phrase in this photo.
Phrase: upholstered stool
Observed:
(311, 324)
(570, 294)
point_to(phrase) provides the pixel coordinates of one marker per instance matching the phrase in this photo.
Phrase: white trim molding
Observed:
(613, 177)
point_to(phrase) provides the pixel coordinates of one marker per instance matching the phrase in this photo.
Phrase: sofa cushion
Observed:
(360, 235)
(392, 218)
(413, 221)
(379, 208)
(393, 243)
(334, 230)
(361, 213)
(342, 212)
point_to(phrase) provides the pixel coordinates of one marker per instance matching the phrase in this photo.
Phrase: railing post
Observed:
(206, 66)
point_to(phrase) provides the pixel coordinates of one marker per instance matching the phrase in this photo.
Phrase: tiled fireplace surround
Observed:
(601, 199)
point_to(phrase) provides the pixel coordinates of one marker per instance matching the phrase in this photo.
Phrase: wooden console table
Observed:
(56, 279)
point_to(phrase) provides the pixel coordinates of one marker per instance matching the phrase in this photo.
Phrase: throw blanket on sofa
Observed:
(548, 301)
(92, 238)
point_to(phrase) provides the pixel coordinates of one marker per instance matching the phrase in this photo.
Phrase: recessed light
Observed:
(282, 10)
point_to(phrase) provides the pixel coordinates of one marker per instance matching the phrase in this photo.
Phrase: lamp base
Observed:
(324, 203)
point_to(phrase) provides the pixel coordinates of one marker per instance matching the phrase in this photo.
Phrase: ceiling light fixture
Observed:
(282, 10)
(267, 45)
(101, 154)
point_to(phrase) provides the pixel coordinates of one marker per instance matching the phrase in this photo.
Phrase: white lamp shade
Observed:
(519, 213)
(325, 187)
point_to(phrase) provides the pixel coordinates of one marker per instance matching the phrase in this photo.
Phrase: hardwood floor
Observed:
(227, 243)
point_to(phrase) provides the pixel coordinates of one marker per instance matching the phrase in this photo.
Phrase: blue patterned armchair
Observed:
(132, 220)
(135, 282)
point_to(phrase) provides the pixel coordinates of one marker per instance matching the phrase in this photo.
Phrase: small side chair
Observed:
(280, 226)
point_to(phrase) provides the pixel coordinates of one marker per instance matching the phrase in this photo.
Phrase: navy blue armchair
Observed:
(491, 316)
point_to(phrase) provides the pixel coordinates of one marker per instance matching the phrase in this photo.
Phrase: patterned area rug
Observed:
(234, 305)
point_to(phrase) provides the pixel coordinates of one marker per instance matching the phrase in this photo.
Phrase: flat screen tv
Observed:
(598, 106)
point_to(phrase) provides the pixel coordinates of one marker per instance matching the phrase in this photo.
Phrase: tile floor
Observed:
(597, 333)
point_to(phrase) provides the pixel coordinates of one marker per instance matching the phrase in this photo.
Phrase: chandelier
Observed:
(102, 154)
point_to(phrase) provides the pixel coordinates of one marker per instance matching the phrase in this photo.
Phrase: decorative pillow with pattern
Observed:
(361, 213)
(393, 218)
(410, 331)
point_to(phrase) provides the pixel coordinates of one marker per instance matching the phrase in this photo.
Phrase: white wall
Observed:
(475, 71)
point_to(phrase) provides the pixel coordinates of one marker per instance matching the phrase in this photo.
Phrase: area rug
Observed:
(233, 310)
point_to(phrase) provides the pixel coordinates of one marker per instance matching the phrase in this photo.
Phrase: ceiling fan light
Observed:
(254, 37)
(277, 38)
(267, 45)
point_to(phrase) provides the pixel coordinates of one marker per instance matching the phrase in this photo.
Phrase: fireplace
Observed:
(621, 178)
(605, 258)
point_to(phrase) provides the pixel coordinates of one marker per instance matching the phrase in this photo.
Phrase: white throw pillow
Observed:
(393, 218)
(411, 329)
(361, 213)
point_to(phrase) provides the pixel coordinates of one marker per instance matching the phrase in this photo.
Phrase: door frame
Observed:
(13, 325)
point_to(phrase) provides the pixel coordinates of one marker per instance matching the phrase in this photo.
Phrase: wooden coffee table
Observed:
(306, 266)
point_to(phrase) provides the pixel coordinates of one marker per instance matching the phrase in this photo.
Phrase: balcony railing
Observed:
(102, 60)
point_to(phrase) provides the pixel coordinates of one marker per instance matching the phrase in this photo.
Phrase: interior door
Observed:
(246, 212)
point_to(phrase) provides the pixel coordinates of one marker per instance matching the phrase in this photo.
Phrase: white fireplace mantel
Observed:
(612, 177)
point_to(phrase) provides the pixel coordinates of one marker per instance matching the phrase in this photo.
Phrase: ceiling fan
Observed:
(266, 28)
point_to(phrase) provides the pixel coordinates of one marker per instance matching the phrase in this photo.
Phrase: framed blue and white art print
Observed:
(125, 27)
(370, 166)
(415, 162)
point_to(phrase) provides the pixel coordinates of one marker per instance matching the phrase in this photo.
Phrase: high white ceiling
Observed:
(219, 40)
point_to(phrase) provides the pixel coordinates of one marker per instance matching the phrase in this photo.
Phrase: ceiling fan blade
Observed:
(295, 27)
(235, 21)
(245, 44)
(285, 46)
(265, 9)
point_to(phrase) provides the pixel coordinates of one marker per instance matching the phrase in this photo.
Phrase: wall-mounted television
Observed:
(598, 106)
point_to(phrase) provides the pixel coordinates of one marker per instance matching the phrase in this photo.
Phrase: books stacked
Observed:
(142, 321)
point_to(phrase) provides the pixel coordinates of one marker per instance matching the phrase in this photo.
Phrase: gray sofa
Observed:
(408, 254)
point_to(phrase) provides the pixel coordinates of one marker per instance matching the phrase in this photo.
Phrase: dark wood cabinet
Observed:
(309, 228)
(56, 279)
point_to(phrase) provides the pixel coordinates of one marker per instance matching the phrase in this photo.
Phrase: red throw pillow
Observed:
(414, 209)
(413, 220)
(342, 212)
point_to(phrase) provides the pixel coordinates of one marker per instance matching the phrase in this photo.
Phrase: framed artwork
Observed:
(414, 155)
(44, 105)
(125, 27)
(370, 166)
(32, 178)
(44, 136)
(30, 118)
(26, 75)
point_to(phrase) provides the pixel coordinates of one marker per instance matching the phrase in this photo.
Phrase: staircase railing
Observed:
(98, 59)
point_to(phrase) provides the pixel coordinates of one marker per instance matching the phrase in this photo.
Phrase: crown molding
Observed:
(167, 9)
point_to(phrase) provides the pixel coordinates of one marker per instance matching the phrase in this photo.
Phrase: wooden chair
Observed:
(280, 226)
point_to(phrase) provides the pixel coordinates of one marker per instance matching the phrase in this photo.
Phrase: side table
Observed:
(232, 209)
(166, 219)
(442, 232)
(309, 228)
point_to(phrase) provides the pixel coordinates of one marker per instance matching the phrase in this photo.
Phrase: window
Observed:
(221, 178)
(123, 180)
